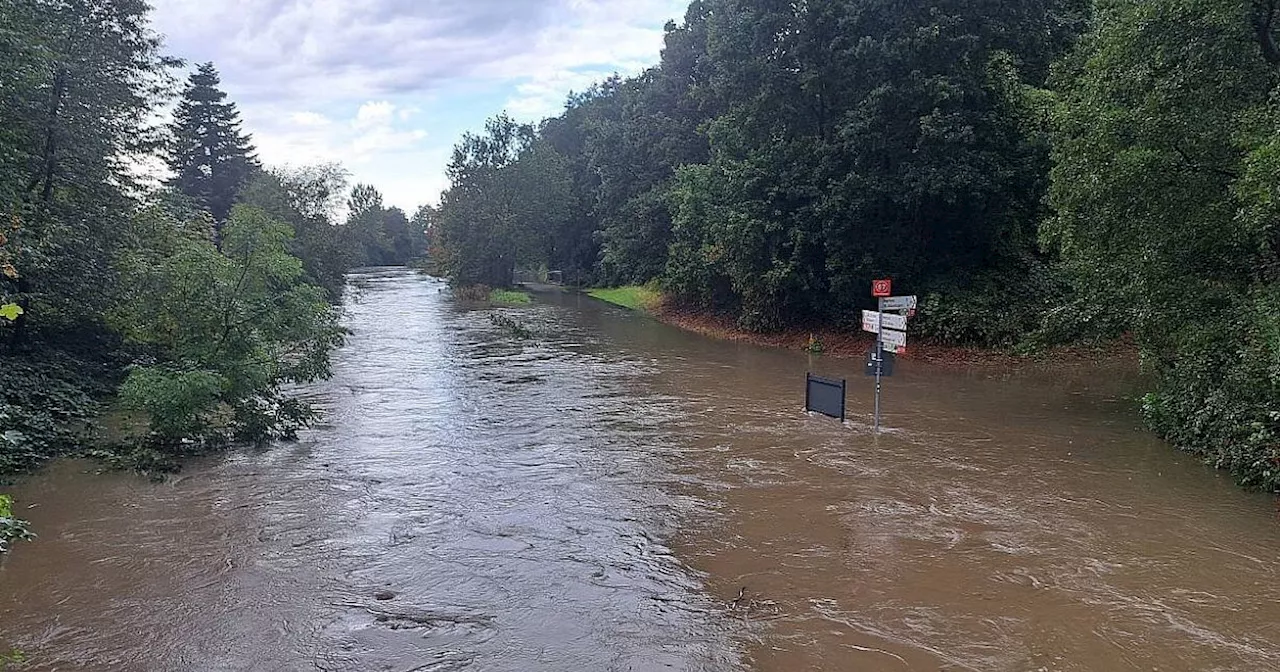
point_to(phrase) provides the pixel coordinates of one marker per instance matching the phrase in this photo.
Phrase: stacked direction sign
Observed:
(891, 327)
(889, 324)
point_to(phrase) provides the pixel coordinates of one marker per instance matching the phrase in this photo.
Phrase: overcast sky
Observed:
(387, 86)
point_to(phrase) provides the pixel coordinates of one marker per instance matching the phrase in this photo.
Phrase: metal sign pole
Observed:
(807, 377)
(879, 356)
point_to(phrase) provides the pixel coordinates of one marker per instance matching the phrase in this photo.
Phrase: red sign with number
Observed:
(881, 288)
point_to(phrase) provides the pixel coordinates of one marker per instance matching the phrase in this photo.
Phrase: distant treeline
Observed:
(1039, 172)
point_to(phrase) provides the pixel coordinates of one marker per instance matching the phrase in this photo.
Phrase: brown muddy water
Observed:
(616, 494)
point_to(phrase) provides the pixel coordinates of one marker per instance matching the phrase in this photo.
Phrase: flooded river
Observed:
(615, 494)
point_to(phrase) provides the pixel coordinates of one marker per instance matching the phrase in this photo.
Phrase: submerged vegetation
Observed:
(485, 295)
(13, 657)
(11, 528)
(1038, 173)
(510, 325)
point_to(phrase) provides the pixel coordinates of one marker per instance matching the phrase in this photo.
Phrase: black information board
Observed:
(824, 395)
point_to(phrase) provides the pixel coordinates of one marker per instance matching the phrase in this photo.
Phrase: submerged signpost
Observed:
(890, 330)
(889, 324)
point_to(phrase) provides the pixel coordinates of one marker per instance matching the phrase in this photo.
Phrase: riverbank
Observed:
(847, 344)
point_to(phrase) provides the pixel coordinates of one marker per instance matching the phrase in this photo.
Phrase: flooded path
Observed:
(616, 494)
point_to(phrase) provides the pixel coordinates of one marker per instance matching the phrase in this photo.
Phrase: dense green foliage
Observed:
(227, 328)
(48, 395)
(195, 303)
(1165, 187)
(509, 188)
(308, 199)
(780, 157)
(1037, 172)
(80, 80)
(381, 236)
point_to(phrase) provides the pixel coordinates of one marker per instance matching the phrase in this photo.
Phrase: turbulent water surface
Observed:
(615, 494)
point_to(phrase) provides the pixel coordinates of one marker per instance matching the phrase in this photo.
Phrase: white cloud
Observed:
(385, 86)
(374, 114)
(375, 141)
(327, 50)
(544, 95)
(592, 40)
(375, 129)
(309, 119)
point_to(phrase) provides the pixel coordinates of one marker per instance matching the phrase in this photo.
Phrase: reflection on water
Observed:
(619, 495)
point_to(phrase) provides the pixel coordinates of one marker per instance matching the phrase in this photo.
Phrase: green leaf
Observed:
(11, 311)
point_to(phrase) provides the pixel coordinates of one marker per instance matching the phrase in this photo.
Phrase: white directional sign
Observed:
(871, 321)
(894, 341)
(892, 330)
(898, 303)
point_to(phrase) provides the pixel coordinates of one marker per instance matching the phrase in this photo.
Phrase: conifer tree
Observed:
(211, 156)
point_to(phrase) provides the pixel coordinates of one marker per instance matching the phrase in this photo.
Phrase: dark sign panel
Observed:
(884, 363)
(824, 395)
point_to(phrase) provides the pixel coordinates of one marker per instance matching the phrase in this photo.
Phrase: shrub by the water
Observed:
(45, 404)
(225, 352)
(472, 293)
(11, 528)
(997, 308)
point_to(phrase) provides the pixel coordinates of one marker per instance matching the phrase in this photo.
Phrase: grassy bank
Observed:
(643, 298)
(508, 297)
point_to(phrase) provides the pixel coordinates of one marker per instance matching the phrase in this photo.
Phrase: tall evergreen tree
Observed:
(212, 158)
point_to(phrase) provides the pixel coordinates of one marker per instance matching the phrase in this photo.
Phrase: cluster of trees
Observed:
(196, 301)
(1037, 171)
(1165, 190)
(781, 156)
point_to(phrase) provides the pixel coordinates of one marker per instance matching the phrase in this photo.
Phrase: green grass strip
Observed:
(509, 297)
(635, 297)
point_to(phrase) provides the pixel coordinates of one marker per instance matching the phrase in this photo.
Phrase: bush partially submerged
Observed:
(229, 329)
(472, 293)
(11, 528)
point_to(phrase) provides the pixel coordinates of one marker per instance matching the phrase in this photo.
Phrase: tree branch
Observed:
(227, 325)
(1201, 168)
(1263, 23)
